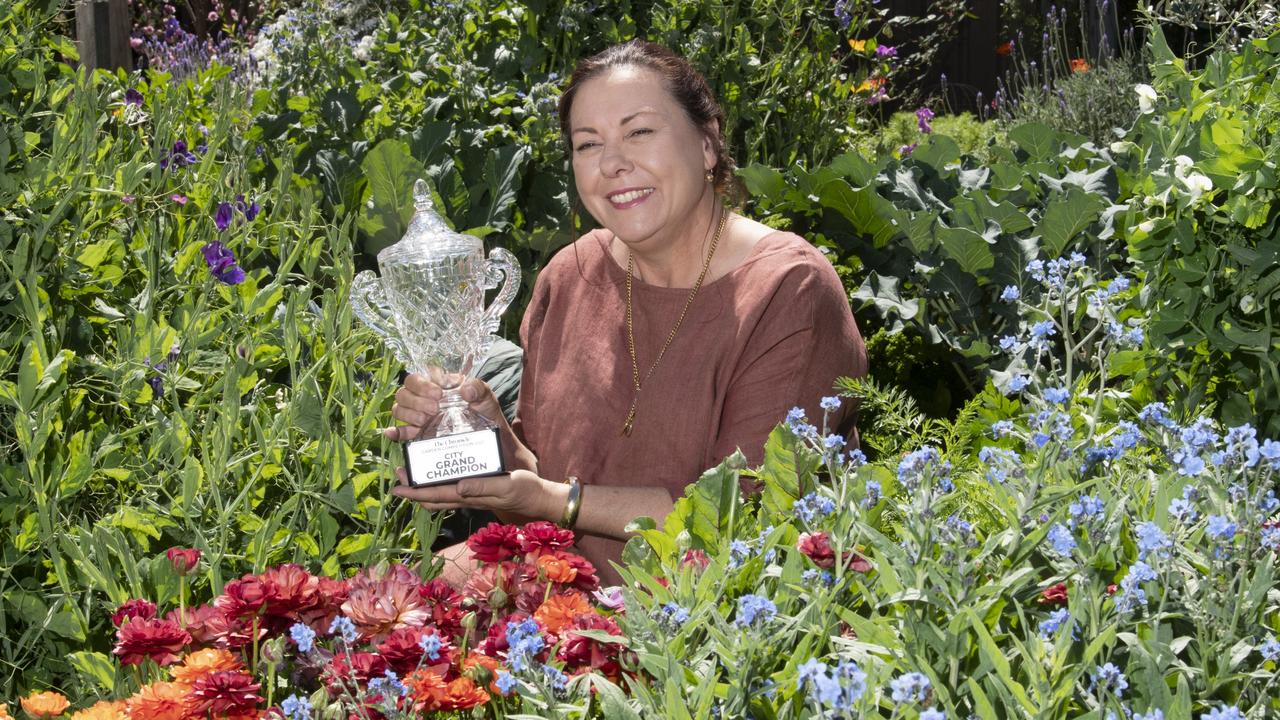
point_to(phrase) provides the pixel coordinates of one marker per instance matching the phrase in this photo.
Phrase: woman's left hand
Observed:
(520, 493)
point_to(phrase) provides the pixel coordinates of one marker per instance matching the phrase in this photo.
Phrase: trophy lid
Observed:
(428, 237)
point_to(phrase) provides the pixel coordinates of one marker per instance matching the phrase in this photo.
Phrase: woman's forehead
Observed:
(620, 93)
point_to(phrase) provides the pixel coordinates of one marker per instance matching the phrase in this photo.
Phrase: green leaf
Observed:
(707, 509)
(613, 702)
(863, 208)
(387, 204)
(764, 181)
(353, 544)
(491, 204)
(971, 251)
(30, 370)
(882, 291)
(1066, 216)
(96, 667)
(1037, 140)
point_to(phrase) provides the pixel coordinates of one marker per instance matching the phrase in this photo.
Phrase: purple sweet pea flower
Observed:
(222, 263)
(923, 116)
(250, 211)
(179, 198)
(886, 51)
(222, 218)
(132, 97)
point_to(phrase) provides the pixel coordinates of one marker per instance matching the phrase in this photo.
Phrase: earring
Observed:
(710, 176)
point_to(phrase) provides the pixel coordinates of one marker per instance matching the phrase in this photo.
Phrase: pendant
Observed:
(631, 419)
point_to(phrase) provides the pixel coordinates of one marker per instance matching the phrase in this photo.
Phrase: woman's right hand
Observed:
(418, 403)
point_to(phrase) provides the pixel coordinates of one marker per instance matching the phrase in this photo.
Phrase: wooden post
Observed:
(102, 31)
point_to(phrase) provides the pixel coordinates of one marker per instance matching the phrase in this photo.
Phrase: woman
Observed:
(660, 343)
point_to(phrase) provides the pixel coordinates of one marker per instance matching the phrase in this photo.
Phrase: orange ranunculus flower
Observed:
(1004, 48)
(463, 694)
(45, 704)
(1079, 65)
(204, 662)
(4, 712)
(559, 611)
(103, 710)
(428, 689)
(556, 568)
(159, 701)
(858, 45)
(482, 668)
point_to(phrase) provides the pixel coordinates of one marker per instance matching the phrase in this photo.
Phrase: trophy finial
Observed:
(421, 195)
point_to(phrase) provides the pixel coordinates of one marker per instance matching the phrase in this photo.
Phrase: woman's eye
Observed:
(585, 146)
(640, 131)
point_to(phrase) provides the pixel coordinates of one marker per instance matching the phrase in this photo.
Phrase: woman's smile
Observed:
(629, 198)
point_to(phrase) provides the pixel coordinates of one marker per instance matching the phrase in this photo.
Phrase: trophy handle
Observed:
(368, 302)
(500, 267)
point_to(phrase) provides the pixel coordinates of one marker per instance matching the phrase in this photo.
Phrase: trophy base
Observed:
(450, 458)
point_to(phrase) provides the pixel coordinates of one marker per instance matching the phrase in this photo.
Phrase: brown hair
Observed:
(685, 84)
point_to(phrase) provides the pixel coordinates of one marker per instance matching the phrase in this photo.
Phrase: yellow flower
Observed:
(870, 84)
(45, 704)
(858, 45)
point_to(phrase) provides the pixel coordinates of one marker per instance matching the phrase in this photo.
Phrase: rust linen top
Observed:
(772, 334)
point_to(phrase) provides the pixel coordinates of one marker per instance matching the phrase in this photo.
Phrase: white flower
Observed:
(1147, 226)
(1198, 184)
(363, 49)
(1146, 97)
(1182, 163)
(1121, 147)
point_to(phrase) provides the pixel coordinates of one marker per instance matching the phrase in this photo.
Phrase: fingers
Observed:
(402, 433)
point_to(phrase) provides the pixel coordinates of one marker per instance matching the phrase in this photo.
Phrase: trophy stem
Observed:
(455, 416)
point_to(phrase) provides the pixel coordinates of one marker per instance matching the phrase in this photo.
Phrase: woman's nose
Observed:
(613, 161)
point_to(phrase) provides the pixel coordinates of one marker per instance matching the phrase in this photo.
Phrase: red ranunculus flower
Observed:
(332, 593)
(135, 609)
(817, 547)
(403, 652)
(160, 640)
(184, 560)
(541, 536)
(379, 601)
(495, 542)
(242, 598)
(223, 693)
(233, 632)
(445, 605)
(195, 621)
(290, 591)
(586, 579)
(857, 563)
(1111, 589)
(696, 558)
(361, 665)
(1054, 595)
(580, 654)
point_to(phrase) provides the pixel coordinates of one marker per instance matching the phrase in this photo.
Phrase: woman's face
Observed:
(639, 163)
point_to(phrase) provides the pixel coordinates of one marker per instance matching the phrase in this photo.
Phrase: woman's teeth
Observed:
(629, 196)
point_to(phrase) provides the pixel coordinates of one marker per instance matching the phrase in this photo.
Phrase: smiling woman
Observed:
(660, 343)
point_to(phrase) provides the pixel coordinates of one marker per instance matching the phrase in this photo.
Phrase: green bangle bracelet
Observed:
(572, 504)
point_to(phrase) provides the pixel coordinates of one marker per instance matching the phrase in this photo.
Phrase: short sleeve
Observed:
(530, 336)
(804, 340)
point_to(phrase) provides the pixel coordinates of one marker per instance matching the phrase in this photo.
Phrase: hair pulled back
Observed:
(683, 81)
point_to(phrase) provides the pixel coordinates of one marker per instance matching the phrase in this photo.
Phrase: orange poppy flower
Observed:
(204, 662)
(1079, 65)
(858, 45)
(1004, 48)
(159, 701)
(45, 704)
(103, 710)
(559, 611)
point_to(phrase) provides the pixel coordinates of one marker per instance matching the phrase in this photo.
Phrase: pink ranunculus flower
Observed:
(817, 547)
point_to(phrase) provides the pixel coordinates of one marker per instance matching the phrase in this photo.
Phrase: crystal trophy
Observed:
(428, 306)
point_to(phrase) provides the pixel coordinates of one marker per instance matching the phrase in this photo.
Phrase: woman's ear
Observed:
(711, 144)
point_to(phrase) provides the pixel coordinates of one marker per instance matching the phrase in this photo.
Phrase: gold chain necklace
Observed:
(631, 338)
